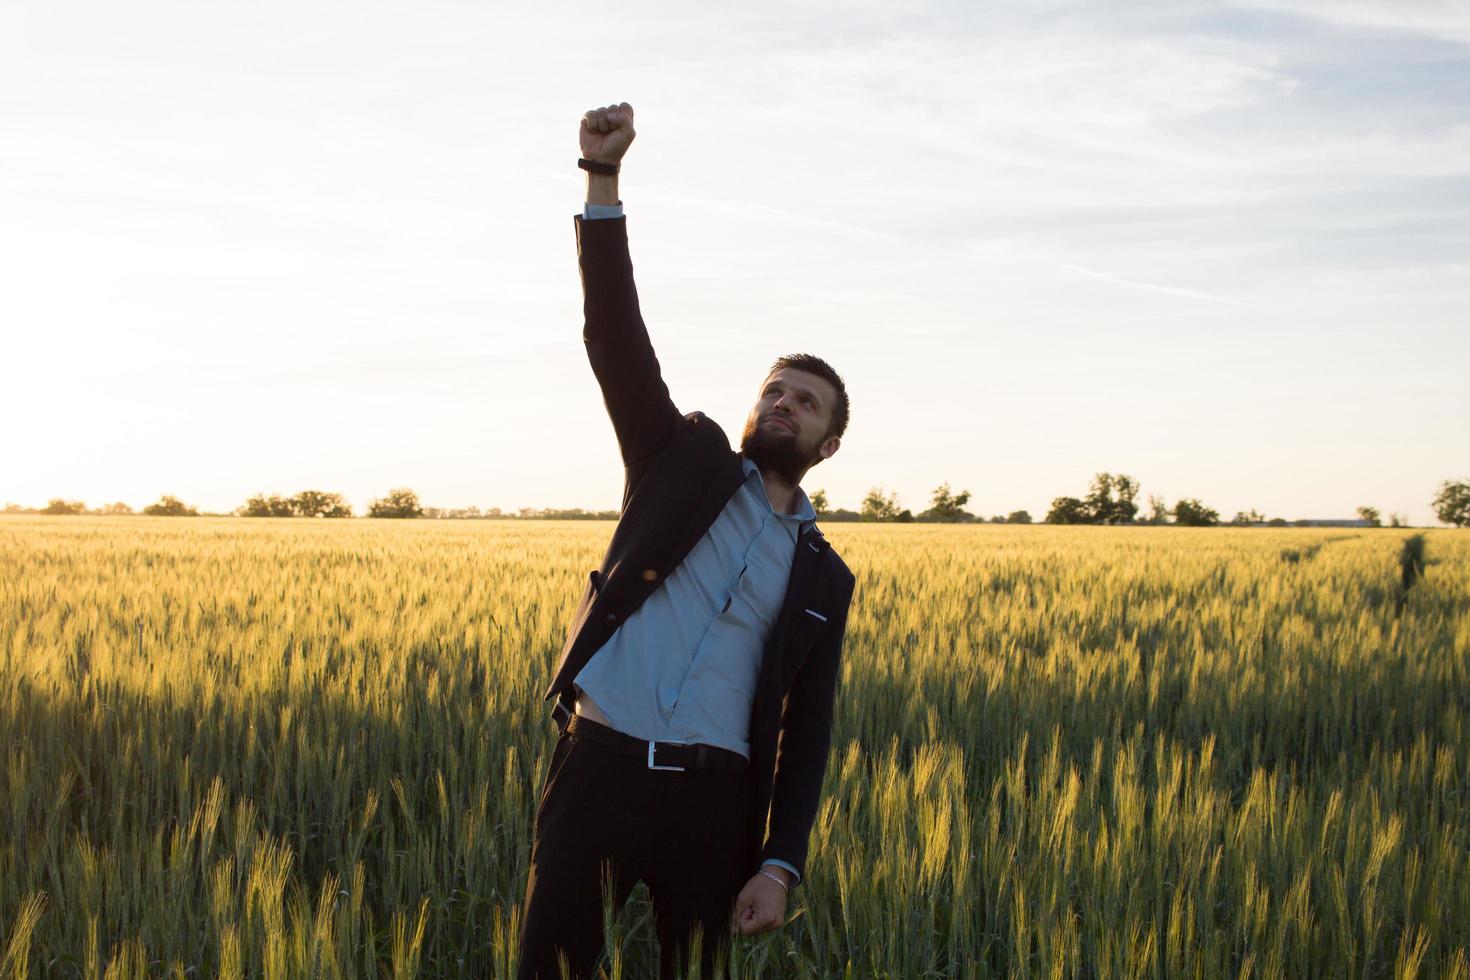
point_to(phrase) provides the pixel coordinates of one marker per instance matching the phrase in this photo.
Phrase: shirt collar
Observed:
(802, 510)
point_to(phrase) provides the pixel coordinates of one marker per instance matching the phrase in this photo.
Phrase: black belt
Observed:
(677, 756)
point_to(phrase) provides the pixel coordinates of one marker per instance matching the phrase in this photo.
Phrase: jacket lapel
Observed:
(802, 585)
(716, 496)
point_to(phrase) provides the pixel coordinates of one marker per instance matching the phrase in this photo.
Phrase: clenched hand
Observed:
(607, 133)
(760, 906)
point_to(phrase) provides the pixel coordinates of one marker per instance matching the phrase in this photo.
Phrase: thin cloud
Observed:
(1445, 20)
(1147, 286)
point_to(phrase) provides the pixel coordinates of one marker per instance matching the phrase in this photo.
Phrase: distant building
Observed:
(1333, 522)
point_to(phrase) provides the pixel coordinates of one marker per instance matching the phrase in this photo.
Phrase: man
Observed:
(694, 694)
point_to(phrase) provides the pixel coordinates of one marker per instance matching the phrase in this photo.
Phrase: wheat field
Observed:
(289, 748)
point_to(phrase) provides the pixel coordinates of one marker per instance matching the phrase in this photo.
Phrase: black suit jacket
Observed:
(679, 473)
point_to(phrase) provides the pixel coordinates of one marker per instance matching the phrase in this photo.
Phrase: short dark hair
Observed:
(812, 364)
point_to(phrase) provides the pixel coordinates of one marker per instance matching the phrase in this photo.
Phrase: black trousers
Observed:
(684, 834)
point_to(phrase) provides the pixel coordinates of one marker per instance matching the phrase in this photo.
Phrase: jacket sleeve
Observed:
(622, 358)
(801, 752)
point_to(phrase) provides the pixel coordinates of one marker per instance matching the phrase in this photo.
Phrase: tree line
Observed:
(1111, 499)
(945, 507)
(399, 503)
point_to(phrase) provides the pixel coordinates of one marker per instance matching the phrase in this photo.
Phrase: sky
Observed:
(260, 247)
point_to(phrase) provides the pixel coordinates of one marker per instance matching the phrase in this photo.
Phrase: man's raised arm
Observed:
(622, 358)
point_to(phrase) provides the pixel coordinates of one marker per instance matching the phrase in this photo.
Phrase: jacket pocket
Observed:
(807, 626)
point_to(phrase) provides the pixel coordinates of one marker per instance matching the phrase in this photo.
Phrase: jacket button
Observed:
(610, 618)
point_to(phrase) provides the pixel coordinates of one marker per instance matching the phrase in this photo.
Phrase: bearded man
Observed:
(695, 689)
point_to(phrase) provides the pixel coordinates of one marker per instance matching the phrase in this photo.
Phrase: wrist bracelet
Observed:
(598, 167)
(776, 878)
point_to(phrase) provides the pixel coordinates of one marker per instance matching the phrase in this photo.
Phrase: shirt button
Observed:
(610, 618)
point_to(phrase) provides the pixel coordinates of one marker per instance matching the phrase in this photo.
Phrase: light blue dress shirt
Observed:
(683, 666)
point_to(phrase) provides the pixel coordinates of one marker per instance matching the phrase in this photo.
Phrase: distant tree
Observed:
(262, 506)
(1125, 507)
(1277, 522)
(58, 506)
(1452, 502)
(878, 507)
(168, 506)
(1111, 499)
(318, 503)
(1069, 510)
(1397, 520)
(115, 508)
(998, 519)
(402, 502)
(1099, 499)
(819, 502)
(1018, 517)
(1158, 510)
(946, 506)
(1370, 514)
(1245, 518)
(1191, 513)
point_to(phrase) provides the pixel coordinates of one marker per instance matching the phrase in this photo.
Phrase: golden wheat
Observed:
(276, 748)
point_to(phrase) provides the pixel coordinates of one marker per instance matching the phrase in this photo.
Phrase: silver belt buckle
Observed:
(652, 766)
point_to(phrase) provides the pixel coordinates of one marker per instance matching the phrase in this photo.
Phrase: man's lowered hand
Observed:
(760, 906)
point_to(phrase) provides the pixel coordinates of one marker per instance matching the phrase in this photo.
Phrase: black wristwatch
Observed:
(598, 167)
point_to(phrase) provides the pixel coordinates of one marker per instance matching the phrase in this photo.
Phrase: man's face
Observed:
(787, 428)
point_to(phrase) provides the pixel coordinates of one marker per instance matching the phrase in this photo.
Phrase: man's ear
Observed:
(831, 446)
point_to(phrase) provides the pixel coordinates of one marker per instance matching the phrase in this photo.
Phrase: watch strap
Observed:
(598, 167)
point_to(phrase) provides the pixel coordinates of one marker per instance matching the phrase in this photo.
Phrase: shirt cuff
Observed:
(795, 875)
(592, 212)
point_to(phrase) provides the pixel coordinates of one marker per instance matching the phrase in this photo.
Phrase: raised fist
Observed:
(607, 133)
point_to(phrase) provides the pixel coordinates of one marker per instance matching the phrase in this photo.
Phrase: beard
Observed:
(776, 450)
